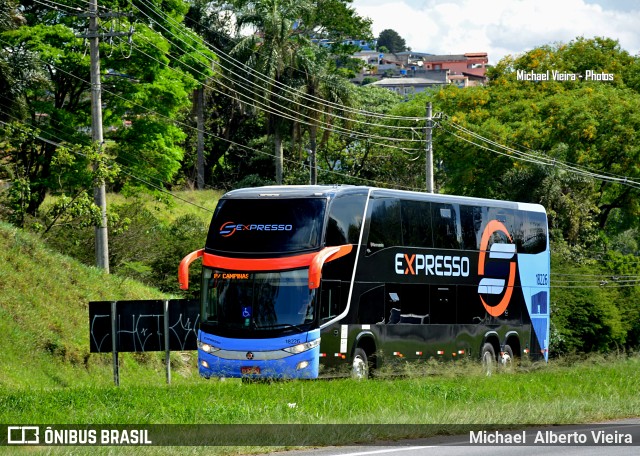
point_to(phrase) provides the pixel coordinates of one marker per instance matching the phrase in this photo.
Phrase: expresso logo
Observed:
(493, 286)
(496, 272)
(438, 265)
(230, 228)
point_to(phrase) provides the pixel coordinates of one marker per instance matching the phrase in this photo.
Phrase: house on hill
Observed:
(422, 70)
(411, 85)
(471, 64)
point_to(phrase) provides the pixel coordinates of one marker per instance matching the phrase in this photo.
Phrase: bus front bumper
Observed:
(266, 365)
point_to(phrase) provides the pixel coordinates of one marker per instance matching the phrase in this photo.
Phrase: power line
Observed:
(269, 104)
(327, 127)
(245, 68)
(233, 143)
(534, 158)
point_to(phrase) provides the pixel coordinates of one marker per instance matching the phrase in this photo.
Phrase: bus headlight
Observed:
(207, 348)
(302, 347)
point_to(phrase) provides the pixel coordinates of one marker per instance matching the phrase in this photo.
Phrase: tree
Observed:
(271, 53)
(279, 50)
(391, 40)
(14, 67)
(146, 86)
(591, 125)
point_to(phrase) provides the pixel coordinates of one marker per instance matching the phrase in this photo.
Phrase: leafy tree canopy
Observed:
(391, 40)
(146, 79)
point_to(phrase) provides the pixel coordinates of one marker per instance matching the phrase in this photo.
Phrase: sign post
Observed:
(143, 326)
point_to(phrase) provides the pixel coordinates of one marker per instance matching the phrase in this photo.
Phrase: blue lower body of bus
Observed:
(285, 357)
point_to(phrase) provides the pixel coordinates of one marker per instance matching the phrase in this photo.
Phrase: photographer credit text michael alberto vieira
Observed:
(592, 437)
(554, 75)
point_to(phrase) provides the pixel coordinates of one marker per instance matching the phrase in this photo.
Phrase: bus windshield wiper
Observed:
(282, 326)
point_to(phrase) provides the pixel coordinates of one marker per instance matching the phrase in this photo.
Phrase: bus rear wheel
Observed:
(506, 358)
(360, 365)
(488, 358)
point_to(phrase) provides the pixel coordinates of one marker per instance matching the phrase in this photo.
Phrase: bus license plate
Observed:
(252, 370)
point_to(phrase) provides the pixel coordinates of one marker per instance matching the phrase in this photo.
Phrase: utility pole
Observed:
(198, 95)
(99, 191)
(429, 164)
(313, 159)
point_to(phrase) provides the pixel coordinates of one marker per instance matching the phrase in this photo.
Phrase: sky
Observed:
(502, 27)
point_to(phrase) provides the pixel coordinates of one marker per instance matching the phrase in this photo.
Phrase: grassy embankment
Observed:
(588, 391)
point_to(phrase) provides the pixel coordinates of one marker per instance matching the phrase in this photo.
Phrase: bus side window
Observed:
(345, 220)
(416, 224)
(443, 304)
(210, 295)
(471, 224)
(413, 303)
(393, 308)
(371, 306)
(446, 226)
(330, 305)
(507, 218)
(385, 226)
(535, 233)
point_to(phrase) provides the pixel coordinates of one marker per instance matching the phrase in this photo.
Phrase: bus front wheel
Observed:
(488, 358)
(360, 365)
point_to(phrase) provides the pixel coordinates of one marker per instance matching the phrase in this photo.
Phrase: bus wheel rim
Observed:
(359, 367)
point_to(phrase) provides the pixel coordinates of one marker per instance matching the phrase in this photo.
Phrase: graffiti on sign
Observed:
(140, 325)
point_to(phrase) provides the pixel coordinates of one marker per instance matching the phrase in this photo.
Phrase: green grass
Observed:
(451, 400)
(200, 203)
(585, 391)
(44, 317)
(44, 297)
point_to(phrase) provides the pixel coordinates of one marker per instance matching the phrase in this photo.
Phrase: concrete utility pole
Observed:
(198, 95)
(429, 164)
(99, 192)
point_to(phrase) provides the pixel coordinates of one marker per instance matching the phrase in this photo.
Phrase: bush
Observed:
(186, 234)
(585, 314)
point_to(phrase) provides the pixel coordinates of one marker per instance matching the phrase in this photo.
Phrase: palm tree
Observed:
(323, 90)
(272, 52)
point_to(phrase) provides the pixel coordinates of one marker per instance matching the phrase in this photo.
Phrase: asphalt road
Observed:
(618, 438)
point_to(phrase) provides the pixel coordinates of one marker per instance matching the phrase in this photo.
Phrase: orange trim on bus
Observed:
(257, 264)
(313, 260)
(183, 269)
(324, 256)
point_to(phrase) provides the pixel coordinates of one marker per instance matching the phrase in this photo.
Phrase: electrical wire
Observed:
(247, 69)
(269, 105)
(233, 143)
(540, 159)
(295, 114)
(535, 159)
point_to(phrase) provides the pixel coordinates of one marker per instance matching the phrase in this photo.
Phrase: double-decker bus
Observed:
(302, 280)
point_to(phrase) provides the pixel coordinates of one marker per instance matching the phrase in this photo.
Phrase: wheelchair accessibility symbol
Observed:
(246, 312)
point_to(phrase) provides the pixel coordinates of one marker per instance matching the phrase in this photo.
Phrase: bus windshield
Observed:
(258, 301)
(259, 227)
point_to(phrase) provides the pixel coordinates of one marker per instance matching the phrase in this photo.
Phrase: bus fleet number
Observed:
(542, 279)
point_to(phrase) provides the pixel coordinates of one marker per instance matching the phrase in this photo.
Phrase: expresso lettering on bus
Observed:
(438, 265)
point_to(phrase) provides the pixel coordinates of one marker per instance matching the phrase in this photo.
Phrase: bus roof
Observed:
(331, 191)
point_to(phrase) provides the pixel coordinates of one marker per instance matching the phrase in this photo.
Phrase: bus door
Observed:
(330, 307)
(406, 327)
(451, 340)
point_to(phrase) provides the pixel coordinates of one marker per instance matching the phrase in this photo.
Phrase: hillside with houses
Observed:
(410, 72)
